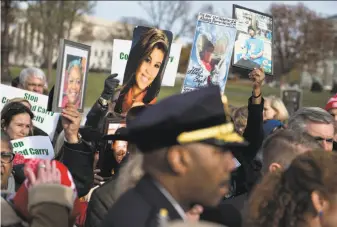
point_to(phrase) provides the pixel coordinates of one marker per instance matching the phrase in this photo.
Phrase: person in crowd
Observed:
(176, 165)
(303, 194)
(274, 108)
(280, 148)
(271, 126)
(77, 153)
(33, 79)
(16, 120)
(8, 183)
(35, 131)
(331, 107)
(243, 177)
(239, 117)
(316, 122)
(144, 70)
(73, 84)
(22, 101)
(46, 199)
(255, 48)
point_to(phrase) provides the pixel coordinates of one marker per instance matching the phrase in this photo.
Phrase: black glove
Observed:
(110, 84)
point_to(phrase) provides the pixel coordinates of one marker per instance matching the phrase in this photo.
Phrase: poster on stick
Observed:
(211, 52)
(34, 147)
(120, 55)
(43, 119)
(254, 39)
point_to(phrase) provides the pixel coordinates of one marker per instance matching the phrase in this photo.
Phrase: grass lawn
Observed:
(237, 92)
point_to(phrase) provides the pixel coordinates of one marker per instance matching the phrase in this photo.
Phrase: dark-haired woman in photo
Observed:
(143, 68)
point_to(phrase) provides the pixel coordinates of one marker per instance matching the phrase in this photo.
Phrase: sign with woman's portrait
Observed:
(72, 70)
(145, 68)
(254, 39)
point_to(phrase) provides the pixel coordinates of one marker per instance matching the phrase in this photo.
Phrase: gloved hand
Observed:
(110, 84)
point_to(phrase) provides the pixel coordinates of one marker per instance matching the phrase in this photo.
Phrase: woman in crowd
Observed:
(143, 69)
(274, 108)
(304, 194)
(240, 116)
(35, 130)
(73, 84)
(48, 198)
(16, 120)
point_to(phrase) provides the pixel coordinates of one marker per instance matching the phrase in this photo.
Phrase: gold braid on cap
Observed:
(223, 132)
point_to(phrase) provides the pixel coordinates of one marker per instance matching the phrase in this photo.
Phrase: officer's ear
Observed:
(178, 159)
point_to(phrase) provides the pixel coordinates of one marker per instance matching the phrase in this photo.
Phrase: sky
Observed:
(114, 10)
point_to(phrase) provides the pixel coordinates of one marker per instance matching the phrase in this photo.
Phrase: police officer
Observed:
(187, 142)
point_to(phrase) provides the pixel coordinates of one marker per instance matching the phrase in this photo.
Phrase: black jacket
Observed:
(139, 207)
(101, 200)
(79, 159)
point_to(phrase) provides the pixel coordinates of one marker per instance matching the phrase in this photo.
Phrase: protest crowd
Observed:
(191, 159)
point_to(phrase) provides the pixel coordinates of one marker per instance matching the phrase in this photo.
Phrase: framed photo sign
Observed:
(71, 75)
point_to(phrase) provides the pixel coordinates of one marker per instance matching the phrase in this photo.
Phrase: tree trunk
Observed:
(5, 74)
(50, 62)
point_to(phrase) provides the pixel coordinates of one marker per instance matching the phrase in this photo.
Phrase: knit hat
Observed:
(20, 199)
(332, 103)
(270, 125)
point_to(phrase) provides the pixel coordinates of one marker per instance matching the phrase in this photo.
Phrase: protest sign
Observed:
(145, 68)
(72, 74)
(34, 147)
(211, 52)
(254, 38)
(121, 50)
(43, 119)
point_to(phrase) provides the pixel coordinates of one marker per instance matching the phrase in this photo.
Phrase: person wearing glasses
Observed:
(7, 156)
(331, 107)
(316, 122)
(33, 79)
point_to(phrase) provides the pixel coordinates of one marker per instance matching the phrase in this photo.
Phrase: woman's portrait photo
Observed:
(72, 86)
(71, 75)
(145, 68)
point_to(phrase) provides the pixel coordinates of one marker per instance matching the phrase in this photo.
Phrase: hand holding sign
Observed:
(71, 121)
(110, 84)
(257, 76)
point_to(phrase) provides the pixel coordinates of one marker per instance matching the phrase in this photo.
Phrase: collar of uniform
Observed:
(169, 197)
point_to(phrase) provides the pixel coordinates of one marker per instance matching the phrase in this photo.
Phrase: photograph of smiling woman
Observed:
(145, 68)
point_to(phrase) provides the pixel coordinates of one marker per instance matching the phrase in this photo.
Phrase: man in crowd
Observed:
(187, 142)
(33, 79)
(283, 146)
(316, 122)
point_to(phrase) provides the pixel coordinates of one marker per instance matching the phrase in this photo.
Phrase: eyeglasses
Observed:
(7, 157)
(320, 139)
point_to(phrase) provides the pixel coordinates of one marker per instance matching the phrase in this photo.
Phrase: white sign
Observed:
(120, 54)
(43, 119)
(34, 147)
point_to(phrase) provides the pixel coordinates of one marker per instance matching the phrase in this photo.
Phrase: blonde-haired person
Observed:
(274, 108)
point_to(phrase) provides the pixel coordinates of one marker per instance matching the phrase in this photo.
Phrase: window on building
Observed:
(102, 53)
(96, 53)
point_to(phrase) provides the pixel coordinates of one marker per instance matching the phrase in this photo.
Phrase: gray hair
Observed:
(300, 118)
(36, 72)
(129, 174)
